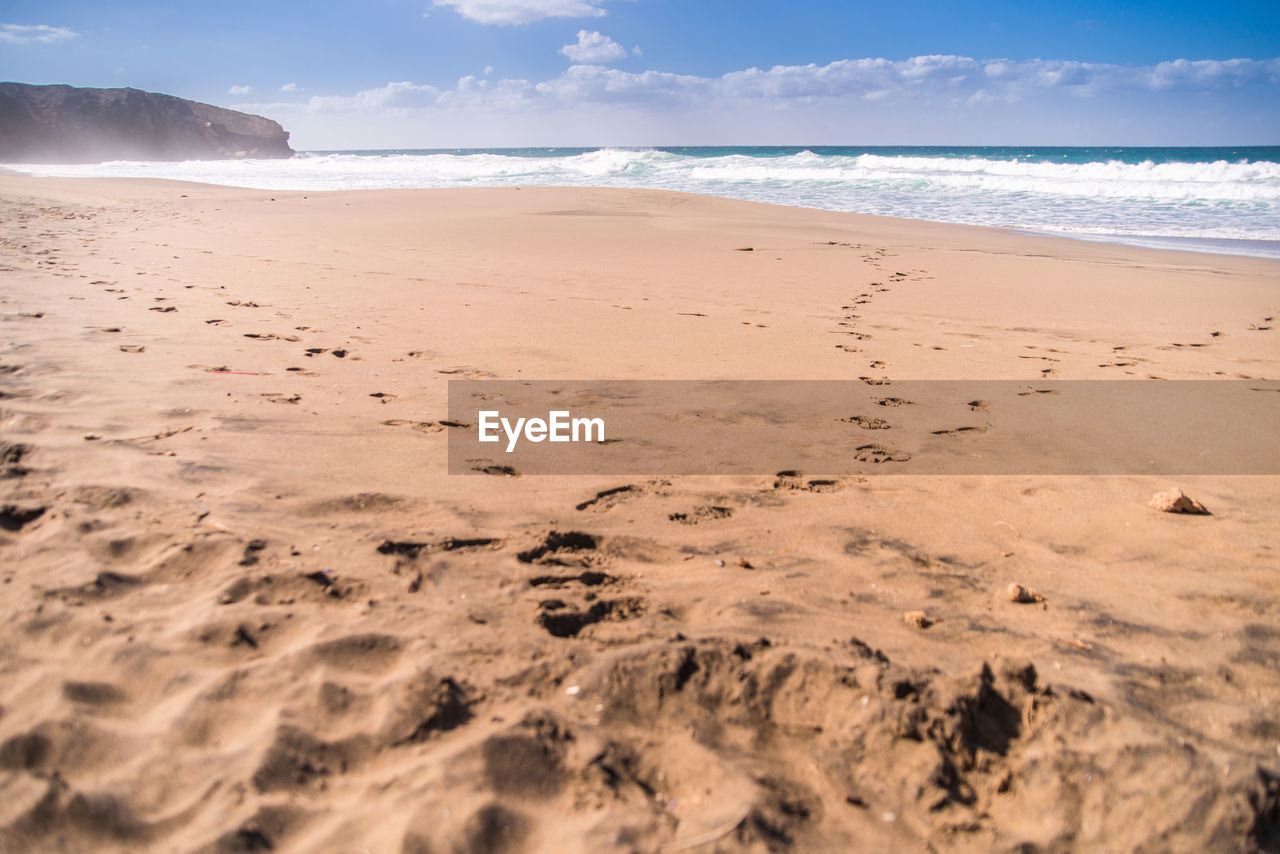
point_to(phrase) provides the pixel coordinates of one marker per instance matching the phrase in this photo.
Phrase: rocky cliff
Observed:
(66, 124)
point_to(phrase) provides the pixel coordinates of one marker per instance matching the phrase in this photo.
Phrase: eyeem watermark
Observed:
(558, 426)
(839, 427)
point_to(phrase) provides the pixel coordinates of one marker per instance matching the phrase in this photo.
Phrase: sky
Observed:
(512, 73)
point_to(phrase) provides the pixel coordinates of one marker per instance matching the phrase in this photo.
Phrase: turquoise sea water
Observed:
(1070, 154)
(1206, 199)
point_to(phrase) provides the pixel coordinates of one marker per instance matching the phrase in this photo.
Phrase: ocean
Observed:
(1203, 199)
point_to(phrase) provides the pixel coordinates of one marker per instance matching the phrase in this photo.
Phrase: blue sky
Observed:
(390, 73)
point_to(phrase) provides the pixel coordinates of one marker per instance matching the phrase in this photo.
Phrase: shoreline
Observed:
(244, 600)
(1001, 193)
(1268, 250)
(1243, 247)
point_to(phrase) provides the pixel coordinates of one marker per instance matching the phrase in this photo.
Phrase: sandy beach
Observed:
(246, 608)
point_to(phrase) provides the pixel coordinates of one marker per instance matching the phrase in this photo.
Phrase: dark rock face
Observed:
(66, 124)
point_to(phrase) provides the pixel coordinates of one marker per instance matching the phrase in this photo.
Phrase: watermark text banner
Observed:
(672, 427)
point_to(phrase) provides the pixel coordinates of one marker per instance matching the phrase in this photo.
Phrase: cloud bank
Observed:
(938, 92)
(34, 34)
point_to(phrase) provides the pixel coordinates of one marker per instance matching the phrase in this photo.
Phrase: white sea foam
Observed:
(1220, 200)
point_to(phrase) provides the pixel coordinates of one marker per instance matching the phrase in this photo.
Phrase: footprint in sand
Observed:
(873, 453)
(412, 549)
(425, 426)
(587, 578)
(959, 431)
(701, 514)
(11, 456)
(420, 426)
(570, 548)
(15, 517)
(497, 471)
(868, 423)
(564, 621)
(795, 480)
(609, 498)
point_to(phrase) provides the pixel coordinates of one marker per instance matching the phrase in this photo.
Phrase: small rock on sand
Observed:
(917, 619)
(1024, 595)
(1176, 501)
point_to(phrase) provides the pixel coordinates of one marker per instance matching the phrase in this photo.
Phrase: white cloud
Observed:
(1210, 73)
(239, 90)
(513, 12)
(594, 47)
(289, 87)
(39, 33)
(393, 96)
(588, 83)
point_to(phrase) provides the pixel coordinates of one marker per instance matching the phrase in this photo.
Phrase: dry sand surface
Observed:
(246, 609)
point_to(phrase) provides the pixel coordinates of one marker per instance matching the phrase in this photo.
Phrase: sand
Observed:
(245, 608)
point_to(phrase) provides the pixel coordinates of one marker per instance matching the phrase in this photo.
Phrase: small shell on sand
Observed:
(1024, 595)
(1175, 501)
(916, 619)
